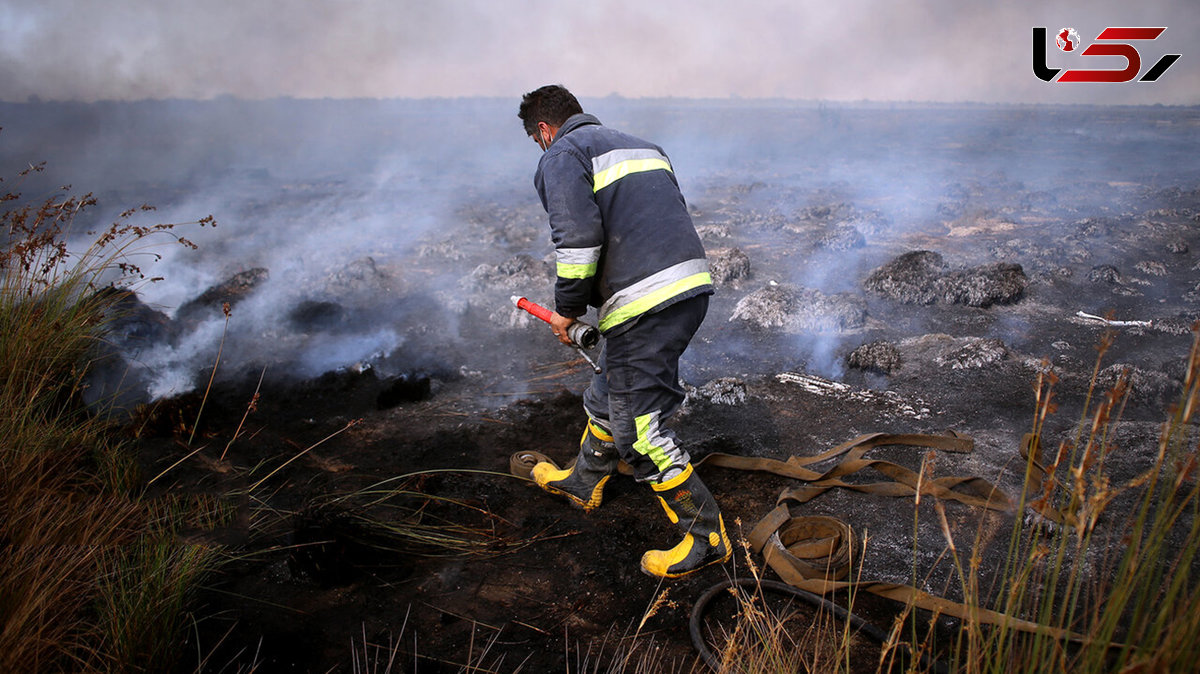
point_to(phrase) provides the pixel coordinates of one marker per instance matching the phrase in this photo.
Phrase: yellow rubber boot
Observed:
(583, 482)
(692, 508)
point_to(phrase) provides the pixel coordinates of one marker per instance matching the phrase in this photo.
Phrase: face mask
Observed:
(537, 138)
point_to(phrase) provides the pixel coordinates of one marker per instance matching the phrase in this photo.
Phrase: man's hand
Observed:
(559, 325)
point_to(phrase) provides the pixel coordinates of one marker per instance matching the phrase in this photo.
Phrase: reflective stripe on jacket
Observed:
(623, 239)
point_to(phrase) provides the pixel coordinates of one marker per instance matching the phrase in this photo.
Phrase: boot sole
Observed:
(681, 574)
(574, 500)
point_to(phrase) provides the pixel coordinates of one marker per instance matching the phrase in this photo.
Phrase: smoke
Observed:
(370, 218)
(801, 181)
(932, 50)
(321, 210)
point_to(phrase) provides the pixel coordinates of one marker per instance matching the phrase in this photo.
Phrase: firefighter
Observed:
(625, 244)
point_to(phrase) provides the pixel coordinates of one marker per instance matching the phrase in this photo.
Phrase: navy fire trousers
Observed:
(639, 388)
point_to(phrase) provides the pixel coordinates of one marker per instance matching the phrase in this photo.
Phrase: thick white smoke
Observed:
(929, 50)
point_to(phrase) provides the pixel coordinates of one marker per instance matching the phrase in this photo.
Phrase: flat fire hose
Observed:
(814, 553)
(781, 538)
(521, 464)
(974, 491)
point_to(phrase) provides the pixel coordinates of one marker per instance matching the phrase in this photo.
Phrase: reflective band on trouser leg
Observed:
(637, 299)
(658, 444)
(610, 167)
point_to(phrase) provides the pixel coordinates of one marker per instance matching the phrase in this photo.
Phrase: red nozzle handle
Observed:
(535, 309)
(580, 334)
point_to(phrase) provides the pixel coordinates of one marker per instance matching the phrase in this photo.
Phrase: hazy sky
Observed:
(925, 50)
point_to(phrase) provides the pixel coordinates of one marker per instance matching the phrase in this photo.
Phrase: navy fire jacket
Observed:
(623, 239)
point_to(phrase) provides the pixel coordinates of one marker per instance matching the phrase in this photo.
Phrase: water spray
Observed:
(582, 335)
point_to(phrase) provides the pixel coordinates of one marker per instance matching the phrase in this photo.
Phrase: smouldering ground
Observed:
(389, 270)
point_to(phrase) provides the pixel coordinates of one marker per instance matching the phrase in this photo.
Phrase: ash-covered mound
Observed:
(1151, 268)
(1144, 385)
(518, 271)
(910, 278)
(796, 309)
(923, 277)
(359, 281)
(983, 286)
(721, 391)
(728, 266)
(842, 236)
(956, 353)
(1044, 255)
(879, 356)
(112, 387)
(1104, 273)
(1176, 325)
(709, 233)
(209, 304)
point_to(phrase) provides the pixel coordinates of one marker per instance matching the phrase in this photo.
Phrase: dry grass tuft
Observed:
(90, 578)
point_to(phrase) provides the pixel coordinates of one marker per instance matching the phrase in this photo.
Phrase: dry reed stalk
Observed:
(350, 424)
(251, 407)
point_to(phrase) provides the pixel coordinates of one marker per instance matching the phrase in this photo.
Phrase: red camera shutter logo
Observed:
(1115, 43)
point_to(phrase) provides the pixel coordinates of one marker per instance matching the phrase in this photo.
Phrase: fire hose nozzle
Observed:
(583, 334)
(580, 333)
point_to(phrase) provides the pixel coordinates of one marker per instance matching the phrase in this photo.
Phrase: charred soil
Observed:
(372, 507)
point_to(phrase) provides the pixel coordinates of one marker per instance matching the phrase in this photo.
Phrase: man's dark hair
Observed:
(551, 104)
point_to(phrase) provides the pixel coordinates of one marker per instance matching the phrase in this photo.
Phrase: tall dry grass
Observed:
(91, 579)
(1106, 565)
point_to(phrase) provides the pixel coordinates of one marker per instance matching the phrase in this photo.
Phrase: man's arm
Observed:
(564, 181)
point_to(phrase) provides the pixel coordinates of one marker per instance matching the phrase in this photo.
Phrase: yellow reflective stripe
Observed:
(577, 262)
(600, 433)
(576, 270)
(614, 173)
(653, 283)
(675, 481)
(647, 424)
(647, 302)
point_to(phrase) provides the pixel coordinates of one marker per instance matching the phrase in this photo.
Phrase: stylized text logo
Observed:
(1112, 41)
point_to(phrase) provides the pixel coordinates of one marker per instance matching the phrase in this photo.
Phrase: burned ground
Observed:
(1003, 231)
